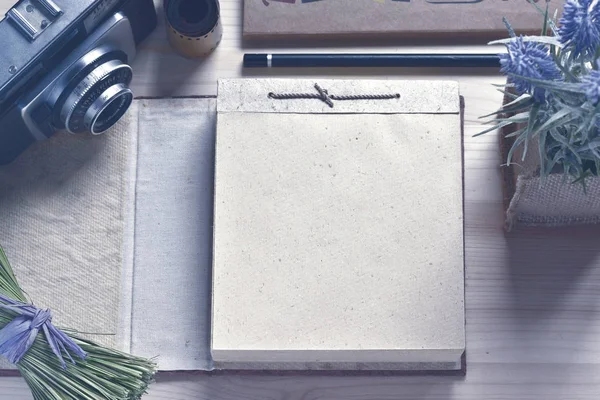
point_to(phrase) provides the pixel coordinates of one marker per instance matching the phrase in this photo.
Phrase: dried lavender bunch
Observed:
(58, 365)
(554, 86)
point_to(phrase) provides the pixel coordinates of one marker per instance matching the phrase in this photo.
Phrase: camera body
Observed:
(65, 67)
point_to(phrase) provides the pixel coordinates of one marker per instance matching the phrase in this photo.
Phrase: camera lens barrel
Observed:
(108, 109)
(99, 100)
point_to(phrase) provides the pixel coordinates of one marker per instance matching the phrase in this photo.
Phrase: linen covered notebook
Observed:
(338, 225)
(475, 20)
(120, 226)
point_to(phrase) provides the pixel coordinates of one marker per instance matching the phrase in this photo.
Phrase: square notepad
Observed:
(338, 232)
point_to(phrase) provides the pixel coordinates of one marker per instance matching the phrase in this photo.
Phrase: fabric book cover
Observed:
(115, 233)
(477, 20)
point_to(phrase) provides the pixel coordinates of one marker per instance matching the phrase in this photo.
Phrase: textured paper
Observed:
(416, 97)
(62, 206)
(324, 226)
(475, 20)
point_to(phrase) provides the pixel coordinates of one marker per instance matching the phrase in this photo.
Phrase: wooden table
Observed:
(533, 296)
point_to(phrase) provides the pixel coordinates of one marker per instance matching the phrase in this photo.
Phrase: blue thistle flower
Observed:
(529, 60)
(591, 84)
(580, 26)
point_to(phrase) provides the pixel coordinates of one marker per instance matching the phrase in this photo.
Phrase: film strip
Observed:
(193, 26)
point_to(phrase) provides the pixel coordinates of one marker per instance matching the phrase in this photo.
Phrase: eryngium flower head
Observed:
(529, 60)
(580, 26)
(591, 84)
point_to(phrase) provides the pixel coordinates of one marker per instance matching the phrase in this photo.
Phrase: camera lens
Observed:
(108, 109)
(99, 100)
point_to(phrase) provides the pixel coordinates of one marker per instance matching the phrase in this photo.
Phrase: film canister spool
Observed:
(194, 26)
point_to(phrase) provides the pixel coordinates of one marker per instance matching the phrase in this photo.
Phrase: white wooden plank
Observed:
(532, 299)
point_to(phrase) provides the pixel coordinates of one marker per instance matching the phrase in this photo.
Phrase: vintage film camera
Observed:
(64, 66)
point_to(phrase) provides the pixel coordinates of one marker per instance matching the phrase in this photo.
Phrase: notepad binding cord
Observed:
(324, 96)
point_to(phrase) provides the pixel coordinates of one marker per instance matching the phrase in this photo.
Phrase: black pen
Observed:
(292, 60)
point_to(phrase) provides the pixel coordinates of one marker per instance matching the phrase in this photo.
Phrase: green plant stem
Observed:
(104, 374)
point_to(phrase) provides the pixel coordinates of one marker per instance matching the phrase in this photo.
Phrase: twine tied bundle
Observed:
(29, 340)
(19, 335)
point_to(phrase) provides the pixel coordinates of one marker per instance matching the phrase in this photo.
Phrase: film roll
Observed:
(193, 26)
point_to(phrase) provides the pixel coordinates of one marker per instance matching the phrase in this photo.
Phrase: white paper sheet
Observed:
(338, 231)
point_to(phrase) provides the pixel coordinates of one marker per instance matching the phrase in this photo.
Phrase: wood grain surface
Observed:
(532, 296)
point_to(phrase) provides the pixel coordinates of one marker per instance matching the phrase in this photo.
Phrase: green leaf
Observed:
(545, 26)
(558, 137)
(562, 86)
(595, 65)
(530, 127)
(511, 31)
(550, 22)
(561, 117)
(8, 282)
(512, 110)
(533, 114)
(560, 66)
(542, 154)
(547, 40)
(508, 94)
(515, 133)
(495, 127)
(526, 97)
(593, 145)
(508, 110)
(514, 147)
(520, 117)
(588, 123)
(555, 160)
(515, 119)
(525, 149)
(577, 156)
(582, 179)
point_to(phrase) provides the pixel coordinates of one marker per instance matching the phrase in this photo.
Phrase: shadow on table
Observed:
(549, 266)
(172, 73)
(386, 72)
(367, 41)
(167, 72)
(297, 386)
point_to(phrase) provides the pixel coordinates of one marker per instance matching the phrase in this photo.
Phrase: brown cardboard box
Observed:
(479, 20)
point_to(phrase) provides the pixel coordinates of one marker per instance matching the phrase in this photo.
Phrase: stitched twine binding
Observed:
(324, 96)
(17, 337)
